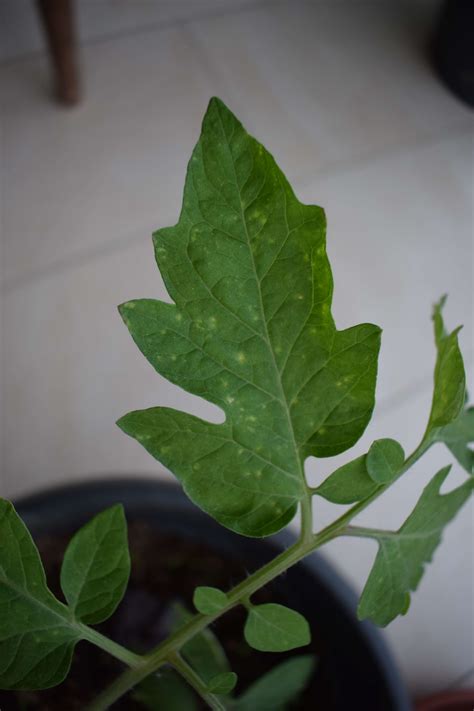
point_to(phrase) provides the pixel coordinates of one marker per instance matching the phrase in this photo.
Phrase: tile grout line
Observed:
(7, 285)
(76, 260)
(338, 167)
(152, 27)
(456, 129)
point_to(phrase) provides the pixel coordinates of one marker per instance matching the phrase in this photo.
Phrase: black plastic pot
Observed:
(362, 671)
(453, 48)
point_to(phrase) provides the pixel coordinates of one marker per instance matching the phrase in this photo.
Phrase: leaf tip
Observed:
(439, 305)
(222, 684)
(124, 310)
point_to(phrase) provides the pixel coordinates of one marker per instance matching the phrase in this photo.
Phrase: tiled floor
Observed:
(342, 95)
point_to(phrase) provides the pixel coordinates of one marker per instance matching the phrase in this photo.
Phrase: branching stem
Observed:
(168, 651)
(193, 679)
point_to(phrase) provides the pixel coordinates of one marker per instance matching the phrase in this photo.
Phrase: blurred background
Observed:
(345, 96)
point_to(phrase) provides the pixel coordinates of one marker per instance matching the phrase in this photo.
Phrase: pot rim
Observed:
(53, 505)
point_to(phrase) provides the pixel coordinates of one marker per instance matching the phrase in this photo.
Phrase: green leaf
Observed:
(165, 690)
(96, 566)
(279, 687)
(399, 564)
(449, 376)
(208, 600)
(204, 652)
(275, 628)
(384, 460)
(348, 484)
(222, 683)
(37, 632)
(251, 331)
(459, 438)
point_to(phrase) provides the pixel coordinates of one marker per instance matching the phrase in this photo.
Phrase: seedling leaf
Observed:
(37, 632)
(209, 600)
(96, 566)
(275, 628)
(349, 483)
(384, 460)
(222, 683)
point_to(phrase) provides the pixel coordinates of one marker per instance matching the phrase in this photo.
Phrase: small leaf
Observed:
(37, 632)
(449, 376)
(459, 438)
(250, 329)
(165, 690)
(222, 683)
(275, 628)
(96, 566)
(203, 652)
(384, 460)
(279, 687)
(209, 600)
(348, 484)
(402, 555)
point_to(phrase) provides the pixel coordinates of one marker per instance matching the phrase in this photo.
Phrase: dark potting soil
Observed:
(165, 570)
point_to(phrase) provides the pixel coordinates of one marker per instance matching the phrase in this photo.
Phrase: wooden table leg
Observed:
(58, 21)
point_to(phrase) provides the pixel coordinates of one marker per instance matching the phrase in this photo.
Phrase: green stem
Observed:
(307, 516)
(162, 654)
(306, 544)
(342, 521)
(193, 679)
(108, 645)
(361, 532)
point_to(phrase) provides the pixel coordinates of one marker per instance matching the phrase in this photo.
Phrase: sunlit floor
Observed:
(344, 97)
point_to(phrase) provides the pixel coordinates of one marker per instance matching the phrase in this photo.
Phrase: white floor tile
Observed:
(71, 369)
(21, 33)
(325, 82)
(113, 166)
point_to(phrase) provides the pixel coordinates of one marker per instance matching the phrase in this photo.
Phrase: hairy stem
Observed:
(308, 542)
(307, 517)
(164, 652)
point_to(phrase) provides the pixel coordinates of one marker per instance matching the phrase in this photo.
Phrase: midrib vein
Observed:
(262, 313)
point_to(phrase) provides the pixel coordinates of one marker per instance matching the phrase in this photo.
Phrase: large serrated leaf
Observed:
(402, 555)
(96, 566)
(37, 632)
(251, 331)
